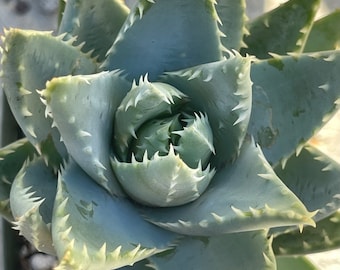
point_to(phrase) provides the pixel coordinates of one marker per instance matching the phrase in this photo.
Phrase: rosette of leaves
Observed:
(173, 135)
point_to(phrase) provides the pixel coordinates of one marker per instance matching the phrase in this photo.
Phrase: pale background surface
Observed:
(42, 16)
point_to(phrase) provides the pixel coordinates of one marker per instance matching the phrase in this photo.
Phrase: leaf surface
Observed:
(164, 35)
(293, 96)
(281, 30)
(243, 196)
(222, 91)
(83, 109)
(324, 36)
(314, 178)
(30, 59)
(96, 23)
(12, 157)
(93, 230)
(32, 198)
(246, 251)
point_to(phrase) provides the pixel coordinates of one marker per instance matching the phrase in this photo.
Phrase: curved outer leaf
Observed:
(281, 30)
(93, 230)
(325, 236)
(97, 23)
(243, 196)
(314, 178)
(30, 59)
(12, 157)
(222, 90)
(32, 198)
(87, 134)
(166, 35)
(292, 98)
(246, 251)
(324, 35)
(162, 180)
(232, 22)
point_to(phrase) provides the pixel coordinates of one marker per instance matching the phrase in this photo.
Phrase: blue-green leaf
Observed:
(232, 22)
(165, 35)
(246, 251)
(30, 59)
(292, 97)
(12, 157)
(243, 196)
(83, 109)
(93, 230)
(314, 178)
(32, 199)
(325, 236)
(281, 30)
(221, 90)
(96, 23)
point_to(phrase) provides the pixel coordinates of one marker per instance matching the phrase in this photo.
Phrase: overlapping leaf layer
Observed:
(173, 135)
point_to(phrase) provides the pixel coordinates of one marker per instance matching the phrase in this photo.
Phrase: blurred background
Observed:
(42, 15)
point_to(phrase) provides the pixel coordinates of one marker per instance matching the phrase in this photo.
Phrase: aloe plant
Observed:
(173, 135)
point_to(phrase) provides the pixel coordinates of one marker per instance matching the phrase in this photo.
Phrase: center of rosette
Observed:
(162, 148)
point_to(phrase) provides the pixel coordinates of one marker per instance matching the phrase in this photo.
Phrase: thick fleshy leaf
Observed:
(282, 30)
(232, 22)
(165, 35)
(144, 102)
(325, 236)
(246, 251)
(30, 59)
(96, 23)
(243, 196)
(32, 199)
(294, 262)
(324, 36)
(197, 132)
(162, 180)
(83, 109)
(221, 90)
(314, 178)
(12, 157)
(292, 98)
(93, 230)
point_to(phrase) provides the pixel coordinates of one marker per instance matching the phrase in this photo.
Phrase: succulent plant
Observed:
(174, 135)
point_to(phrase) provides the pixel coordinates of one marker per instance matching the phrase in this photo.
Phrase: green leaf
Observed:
(325, 236)
(144, 102)
(93, 230)
(30, 59)
(233, 22)
(32, 199)
(281, 30)
(222, 91)
(324, 34)
(296, 262)
(96, 23)
(164, 35)
(292, 98)
(246, 251)
(12, 157)
(162, 180)
(314, 178)
(243, 196)
(83, 109)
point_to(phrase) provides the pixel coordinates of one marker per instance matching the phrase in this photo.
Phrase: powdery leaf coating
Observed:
(157, 138)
